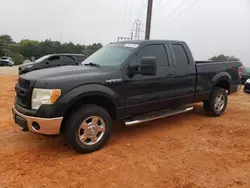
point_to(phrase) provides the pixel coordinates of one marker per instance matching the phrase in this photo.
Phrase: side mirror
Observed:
(47, 62)
(148, 66)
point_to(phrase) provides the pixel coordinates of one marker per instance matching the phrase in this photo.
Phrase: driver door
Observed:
(149, 93)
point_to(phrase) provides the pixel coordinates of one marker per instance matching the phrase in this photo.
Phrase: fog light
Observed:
(35, 126)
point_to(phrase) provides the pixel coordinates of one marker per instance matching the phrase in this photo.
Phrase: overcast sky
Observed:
(210, 27)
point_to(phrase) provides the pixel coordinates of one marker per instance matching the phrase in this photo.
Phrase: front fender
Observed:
(60, 107)
(88, 90)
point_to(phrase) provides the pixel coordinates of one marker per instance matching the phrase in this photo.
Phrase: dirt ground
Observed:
(5, 71)
(184, 151)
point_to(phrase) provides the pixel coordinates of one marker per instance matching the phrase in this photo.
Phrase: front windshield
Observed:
(110, 55)
(41, 59)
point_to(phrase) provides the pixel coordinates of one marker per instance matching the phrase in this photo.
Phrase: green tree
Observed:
(222, 57)
(5, 41)
(90, 49)
(26, 49)
(17, 57)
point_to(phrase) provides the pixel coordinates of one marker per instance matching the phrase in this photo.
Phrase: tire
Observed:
(82, 128)
(217, 103)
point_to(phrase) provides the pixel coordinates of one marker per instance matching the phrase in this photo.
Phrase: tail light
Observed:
(240, 70)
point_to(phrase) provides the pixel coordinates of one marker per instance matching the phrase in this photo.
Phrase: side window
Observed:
(180, 55)
(158, 51)
(79, 59)
(67, 60)
(54, 58)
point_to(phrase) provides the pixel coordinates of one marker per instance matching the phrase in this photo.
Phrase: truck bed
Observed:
(213, 62)
(208, 73)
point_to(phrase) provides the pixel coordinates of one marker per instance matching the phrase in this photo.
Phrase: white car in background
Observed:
(6, 61)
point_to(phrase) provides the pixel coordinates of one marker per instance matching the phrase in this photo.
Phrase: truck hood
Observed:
(64, 71)
(68, 77)
(27, 64)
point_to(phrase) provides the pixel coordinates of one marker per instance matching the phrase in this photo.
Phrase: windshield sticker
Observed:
(131, 45)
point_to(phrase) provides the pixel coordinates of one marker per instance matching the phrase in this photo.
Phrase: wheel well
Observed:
(101, 101)
(223, 84)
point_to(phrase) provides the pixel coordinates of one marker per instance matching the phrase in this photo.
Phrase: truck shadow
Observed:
(122, 133)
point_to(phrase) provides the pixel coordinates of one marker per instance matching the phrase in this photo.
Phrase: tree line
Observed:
(28, 49)
(223, 57)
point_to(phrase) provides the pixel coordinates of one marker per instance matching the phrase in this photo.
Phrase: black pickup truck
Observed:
(133, 82)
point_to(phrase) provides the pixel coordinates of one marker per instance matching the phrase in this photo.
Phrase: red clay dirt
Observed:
(184, 151)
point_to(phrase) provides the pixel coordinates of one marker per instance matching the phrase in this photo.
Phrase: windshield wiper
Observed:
(92, 64)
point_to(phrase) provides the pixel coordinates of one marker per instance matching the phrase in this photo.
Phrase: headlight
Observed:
(248, 81)
(44, 96)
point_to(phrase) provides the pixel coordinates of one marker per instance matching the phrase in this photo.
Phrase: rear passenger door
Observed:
(185, 74)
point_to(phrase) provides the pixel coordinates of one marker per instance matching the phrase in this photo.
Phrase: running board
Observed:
(156, 115)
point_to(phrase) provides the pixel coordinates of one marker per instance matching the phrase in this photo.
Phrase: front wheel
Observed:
(88, 129)
(217, 103)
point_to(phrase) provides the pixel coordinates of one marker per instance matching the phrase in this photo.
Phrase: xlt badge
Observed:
(114, 80)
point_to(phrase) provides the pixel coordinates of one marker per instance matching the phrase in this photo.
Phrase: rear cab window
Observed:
(180, 55)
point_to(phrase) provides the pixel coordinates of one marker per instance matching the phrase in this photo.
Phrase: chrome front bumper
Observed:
(47, 126)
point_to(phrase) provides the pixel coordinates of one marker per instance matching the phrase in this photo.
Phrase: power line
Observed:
(160, 8)
(181, 13)
(140, 9)
(165, 3)
(158, 5)
(130, 7)
(175, 9)
(126, 9)
(142, 4)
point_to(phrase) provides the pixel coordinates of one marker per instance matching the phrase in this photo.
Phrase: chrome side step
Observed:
(156, 115)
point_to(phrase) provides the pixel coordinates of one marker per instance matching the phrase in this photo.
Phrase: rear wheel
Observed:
(88, 129)
(217, 103)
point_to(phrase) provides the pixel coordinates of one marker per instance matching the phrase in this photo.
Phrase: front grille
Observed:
(23, 93)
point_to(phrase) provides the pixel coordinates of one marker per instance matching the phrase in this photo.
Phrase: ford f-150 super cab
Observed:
(132, 81)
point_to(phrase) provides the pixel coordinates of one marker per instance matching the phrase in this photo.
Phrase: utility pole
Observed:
(149, 18)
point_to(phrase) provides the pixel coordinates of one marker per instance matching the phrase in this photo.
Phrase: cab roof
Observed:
(147, 41)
